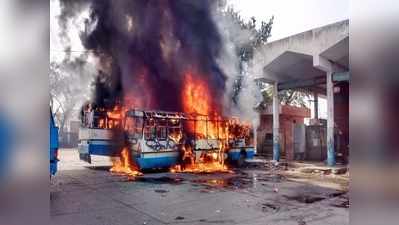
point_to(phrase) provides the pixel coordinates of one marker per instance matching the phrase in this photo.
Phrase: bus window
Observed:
(93, 119)
(101, 123)
(110, 124)
(149, 132)
(138, 127)
(161, 132)
(129, 125)
(134, 127)
(175, 133)
(113, 123)
(96, 119)
(161, 128)
(174, 123)
(150, 122)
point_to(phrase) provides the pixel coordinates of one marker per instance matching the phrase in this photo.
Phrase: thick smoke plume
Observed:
(71, 72)
(240, 42)
(145, 48)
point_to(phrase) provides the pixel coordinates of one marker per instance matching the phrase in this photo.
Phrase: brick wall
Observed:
(288, 117)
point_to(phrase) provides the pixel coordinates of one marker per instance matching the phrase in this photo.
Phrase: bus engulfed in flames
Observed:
(210, 131)
(124, 164)
(166, 58)
(200, 136)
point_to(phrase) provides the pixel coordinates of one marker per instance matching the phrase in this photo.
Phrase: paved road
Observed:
(82, 194)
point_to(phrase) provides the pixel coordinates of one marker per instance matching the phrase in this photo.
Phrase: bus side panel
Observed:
(96, 142)
(98, 147)
(250, 153)
(53, 167)
(53, 146)
(234, 153)
(83, 149)
(156, 160)
(104, 148)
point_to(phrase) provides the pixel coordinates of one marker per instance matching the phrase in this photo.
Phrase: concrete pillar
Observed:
(276, 124)
(316, 105)
(330, 120)
(327, 66)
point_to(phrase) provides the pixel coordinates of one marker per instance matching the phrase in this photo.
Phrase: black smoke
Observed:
(145, 46)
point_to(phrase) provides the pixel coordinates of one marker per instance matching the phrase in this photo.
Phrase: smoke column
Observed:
(145, 47)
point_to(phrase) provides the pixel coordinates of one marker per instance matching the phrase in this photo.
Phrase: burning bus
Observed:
(241, 141)
(99, 133)
(154, 137)
(145, 139)
(162, 62)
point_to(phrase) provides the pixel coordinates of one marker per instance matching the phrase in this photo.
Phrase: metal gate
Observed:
(299, 141)
(265, 144)
(316, 147)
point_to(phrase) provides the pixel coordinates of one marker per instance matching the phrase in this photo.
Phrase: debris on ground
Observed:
(179, 218)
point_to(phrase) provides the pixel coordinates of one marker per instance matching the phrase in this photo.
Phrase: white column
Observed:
(316, 105)
(326, 66)
(276, 123)
(330, 120)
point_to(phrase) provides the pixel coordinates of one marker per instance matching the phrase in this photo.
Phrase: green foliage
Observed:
(257, 36)
(293, 97)
(286, 97)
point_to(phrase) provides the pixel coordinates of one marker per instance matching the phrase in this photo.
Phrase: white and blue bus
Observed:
(159, 139)
(156, 139)
(241, 142)
(99, 134)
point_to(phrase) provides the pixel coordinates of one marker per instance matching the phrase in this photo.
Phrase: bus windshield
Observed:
(134, 127)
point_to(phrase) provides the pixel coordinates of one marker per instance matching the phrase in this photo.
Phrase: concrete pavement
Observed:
(82, 194)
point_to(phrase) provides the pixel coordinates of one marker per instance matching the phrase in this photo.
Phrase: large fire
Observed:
(197, 101)
(123, 164)
(206, 124)
(203, 121)
(160, 59)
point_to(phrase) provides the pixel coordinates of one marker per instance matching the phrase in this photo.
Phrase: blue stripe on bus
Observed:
(104, 149)
(156, 162)
(151, 160)
(235, 155)
(144, 161)
(53, 167)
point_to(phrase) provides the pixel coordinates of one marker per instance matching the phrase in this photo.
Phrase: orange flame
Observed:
(208, 163)
(207, 124)
(197, 100)
(124, 165)
(208, 167)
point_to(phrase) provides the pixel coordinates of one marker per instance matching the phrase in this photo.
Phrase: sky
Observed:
(293, 16)
(290, 17)
(56, 45)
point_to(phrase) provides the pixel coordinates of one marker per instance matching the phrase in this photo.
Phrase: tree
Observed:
(257, 37)
(247, 38)
(61, 95)
(69, 86)
(286, 97)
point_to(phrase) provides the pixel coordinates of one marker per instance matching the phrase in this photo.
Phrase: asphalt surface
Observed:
(91, 195)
